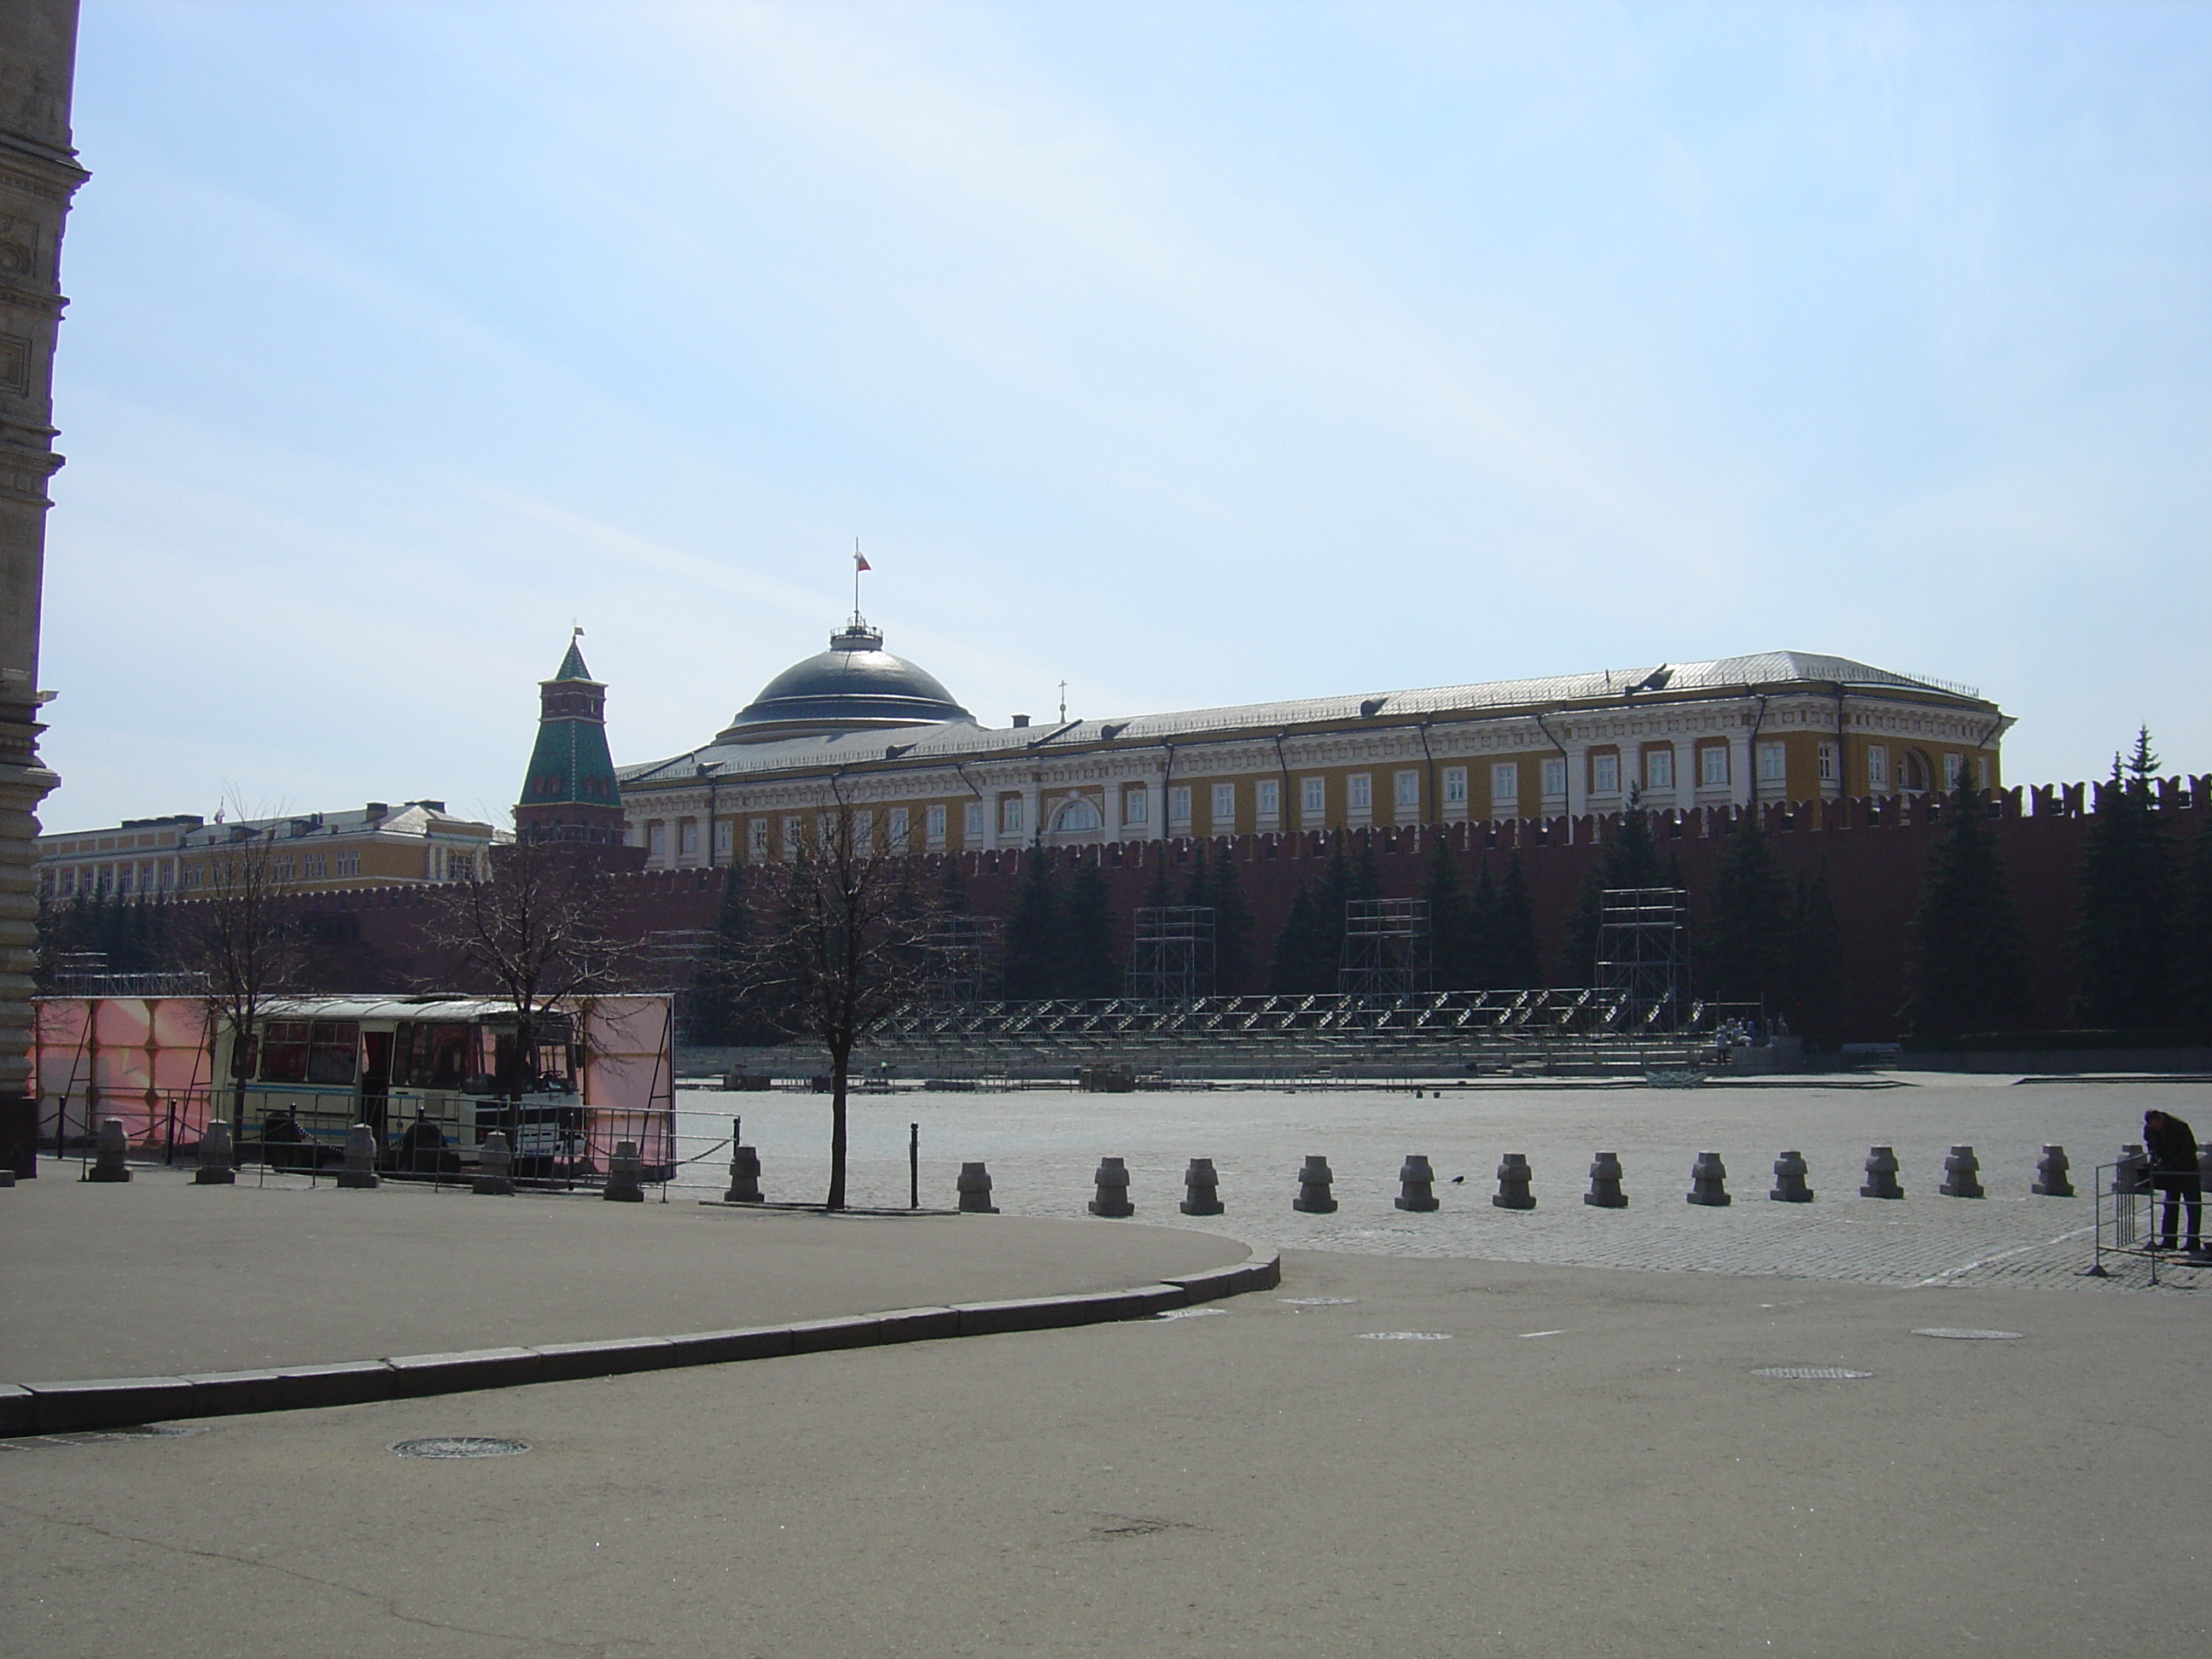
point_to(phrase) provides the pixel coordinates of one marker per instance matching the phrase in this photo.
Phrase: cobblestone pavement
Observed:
(1043, 1147)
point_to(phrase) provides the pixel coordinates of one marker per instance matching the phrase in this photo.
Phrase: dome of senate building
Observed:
(854, 686)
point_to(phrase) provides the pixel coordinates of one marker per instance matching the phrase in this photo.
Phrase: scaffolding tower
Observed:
(1644, 953)
(1386, 948)
(1171, 953)
(964, 952)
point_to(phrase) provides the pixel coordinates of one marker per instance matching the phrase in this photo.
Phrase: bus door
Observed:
(376, 1082)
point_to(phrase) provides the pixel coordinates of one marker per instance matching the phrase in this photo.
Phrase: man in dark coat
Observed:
(2174, 1171)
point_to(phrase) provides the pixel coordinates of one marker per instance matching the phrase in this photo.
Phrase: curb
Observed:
(123, 1402)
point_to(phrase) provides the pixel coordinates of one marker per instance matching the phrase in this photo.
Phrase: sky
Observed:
(1191, 354)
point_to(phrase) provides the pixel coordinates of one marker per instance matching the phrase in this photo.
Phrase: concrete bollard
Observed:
(974, 1188)
(2131, 1170)
(1113, 1183)
(1881, 1174)
(744, 1176)
(1202, 1189)
(625, 1176)
(214, 1161)
(1314, 1181)
(1709, 1181)
(1416, 1184)
(1605, 1184)
(359, 1169)
(110, 1153)
(1790, 1186)
(2054, 1177)
(1962, 1175)
(1513, 1176)
(495, 1167)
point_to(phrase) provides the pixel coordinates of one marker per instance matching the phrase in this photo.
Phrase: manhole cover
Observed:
(1405, 1336)
(1964, 1335)
(100, 1437)
(1316, 1301)
(464, 1445)
(1810, 1373)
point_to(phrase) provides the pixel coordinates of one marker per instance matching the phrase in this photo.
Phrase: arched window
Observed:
(1077, 813)
(1916, 772)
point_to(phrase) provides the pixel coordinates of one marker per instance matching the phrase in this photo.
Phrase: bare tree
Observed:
(237, 929)
(540, 929)
(842, 942)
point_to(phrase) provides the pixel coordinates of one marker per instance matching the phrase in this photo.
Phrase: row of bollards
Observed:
(1417, 1183)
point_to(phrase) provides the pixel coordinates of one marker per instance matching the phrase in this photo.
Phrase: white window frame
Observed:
(971, 823)
(864, 829)
(756, 841)
(1505, 784)
(1454, 786)
(1713, 766)
(1953, 765)
(1773, 764)
(1360, 794)
(1224, 821)
(1010, 815)
(1405, 791)
(1313, 799)
(1267, 802)
(1877, 761)
(1655, 761)
(348, 862)
(1552, 782)
(1604, 774)
(934, 820)
(896, 822)
(1136, 805)
(1824, 761)
(656, 839)
(792, 830)
(687, 838)
(1178, 806)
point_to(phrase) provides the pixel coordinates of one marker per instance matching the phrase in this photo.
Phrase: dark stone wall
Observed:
(1875, 849)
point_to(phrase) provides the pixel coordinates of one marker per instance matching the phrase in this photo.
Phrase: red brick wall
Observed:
(1875, 849)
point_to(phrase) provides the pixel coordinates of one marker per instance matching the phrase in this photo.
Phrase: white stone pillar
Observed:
(1743, 784)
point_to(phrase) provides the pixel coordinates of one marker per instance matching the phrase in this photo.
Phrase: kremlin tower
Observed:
(568, 795)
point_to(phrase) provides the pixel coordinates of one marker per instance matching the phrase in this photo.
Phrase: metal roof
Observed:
(948, 742)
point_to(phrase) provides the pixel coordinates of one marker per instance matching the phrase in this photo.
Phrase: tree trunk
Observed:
(840, 1057)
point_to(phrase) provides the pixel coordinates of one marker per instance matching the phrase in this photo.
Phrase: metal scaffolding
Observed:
(1644, 953)
(1427, 1031)
(966, 952)
(1171, 953)
(1386, 948)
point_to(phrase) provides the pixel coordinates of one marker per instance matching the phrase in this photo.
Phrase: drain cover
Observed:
(464, 1445)
(1969, 1336)
(99, 1437)
(1406, 1336)
(1316, 1301)
(1810, 1373)
(1190, 1313)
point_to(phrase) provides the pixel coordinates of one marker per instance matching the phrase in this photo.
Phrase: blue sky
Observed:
(1191, 353)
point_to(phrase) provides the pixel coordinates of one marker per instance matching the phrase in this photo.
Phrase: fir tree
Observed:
(1630, 859)
(1816, 974)
(1517, 965)
(2193, 939)
(952, 892)
(718, 991)
(1364, 879)
(1450, 931)
(1966, 972)
(1749, 956)
(1302, 948)
(1033, 931)
(2124, 942)
(1087, 967)
(1482, 955)
(1197, 890)
(1232, 925)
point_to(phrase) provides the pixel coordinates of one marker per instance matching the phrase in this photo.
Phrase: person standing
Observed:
(2174, 1172)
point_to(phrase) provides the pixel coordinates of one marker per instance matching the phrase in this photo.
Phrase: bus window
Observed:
(285, 1051)
(431, 1055)
(331, 1046)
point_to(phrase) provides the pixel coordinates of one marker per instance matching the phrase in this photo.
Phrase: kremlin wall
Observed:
(1844, 766)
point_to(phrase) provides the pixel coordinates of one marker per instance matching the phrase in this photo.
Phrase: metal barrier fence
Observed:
(2132, 1215)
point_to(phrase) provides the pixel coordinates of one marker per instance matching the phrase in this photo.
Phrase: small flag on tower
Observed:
(860, 559)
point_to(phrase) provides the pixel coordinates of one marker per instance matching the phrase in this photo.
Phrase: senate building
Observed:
(858, 726)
